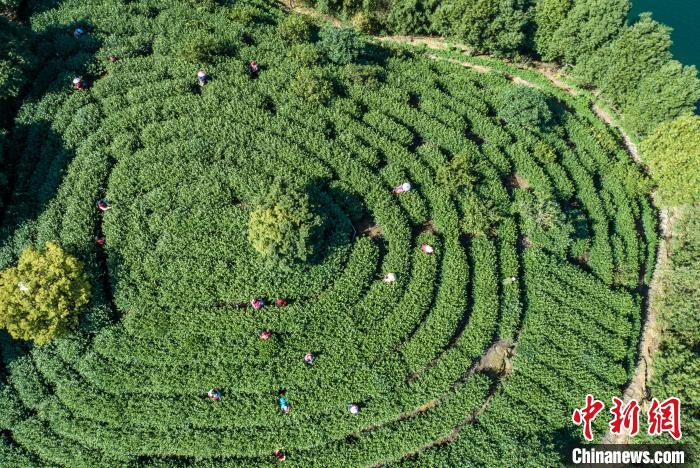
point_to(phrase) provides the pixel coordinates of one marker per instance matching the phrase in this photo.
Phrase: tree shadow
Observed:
(336, 229)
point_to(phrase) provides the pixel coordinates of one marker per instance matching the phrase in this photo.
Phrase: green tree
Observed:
(294, 29)
(312, 86)
(617, 68)
(547, 18)
(525, 106)
(411, 16)
(40, 298)
(494, 26)
(480, 215)
(543, 222)
(589, 25)
(282, 227)
(661, 95)
(672, 152)
(340, 45)
(460, 173)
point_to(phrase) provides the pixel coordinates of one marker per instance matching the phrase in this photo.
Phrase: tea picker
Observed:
(103, 205)
(405, 187)
(283, 403)
(79, 83)
(202, 78)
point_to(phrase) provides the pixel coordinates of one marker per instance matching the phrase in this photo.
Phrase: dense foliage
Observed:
(283, 225)
(541, 238)
(521, 105)
(496, 26)
(629, 63)
(672, 152)
(677, 362)
(16, 60)
(41, 297)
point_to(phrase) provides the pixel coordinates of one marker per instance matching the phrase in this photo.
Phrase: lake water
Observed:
(684, 17)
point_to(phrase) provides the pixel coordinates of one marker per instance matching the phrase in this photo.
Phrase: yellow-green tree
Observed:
(672, 152)
(283, 226)
(40, 297)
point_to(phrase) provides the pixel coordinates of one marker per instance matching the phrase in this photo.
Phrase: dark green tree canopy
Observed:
(522, 105)
(660, 96)
(495, 26)
(283, 226)
(547, 18)
(617, 68)
(340, 45)
(590, 24)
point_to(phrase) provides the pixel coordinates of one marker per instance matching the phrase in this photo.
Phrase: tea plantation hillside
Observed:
(542, 237)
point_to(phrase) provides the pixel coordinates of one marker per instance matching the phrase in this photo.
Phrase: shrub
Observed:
(479, 216)
(305, 54)
(294, 29)
(364, 75)
(203, 49)
(459, 173)
(283, 225)
(521, 105)
(340, 45)
(544, 222)
(244, 14)
(312, 86)
(40, 298)
(673, 156)
(366, 23)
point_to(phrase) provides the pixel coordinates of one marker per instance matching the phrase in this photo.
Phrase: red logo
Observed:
(624, 417)
(665, 417)
(587, 414)
(662, 417)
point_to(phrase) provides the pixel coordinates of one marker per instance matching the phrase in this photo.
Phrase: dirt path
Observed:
(637, 388)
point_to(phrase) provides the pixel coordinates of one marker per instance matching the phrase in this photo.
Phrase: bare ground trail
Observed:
(637, 389)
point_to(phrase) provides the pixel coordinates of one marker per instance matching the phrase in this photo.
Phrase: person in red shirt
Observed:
(280, 302)
(102, 205)
(257, 303)
(78, 83)
(266, 335)
(280, 456)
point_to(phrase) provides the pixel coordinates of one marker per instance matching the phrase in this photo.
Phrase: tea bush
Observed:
(537, 244)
